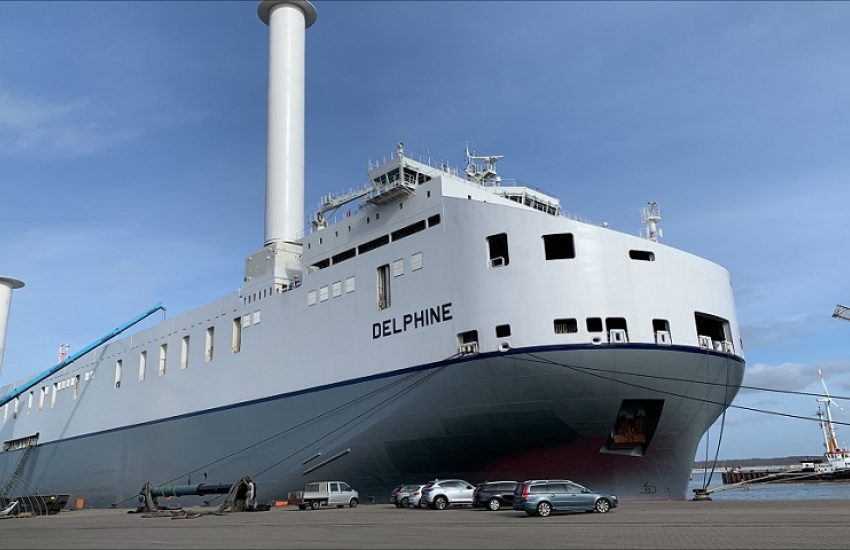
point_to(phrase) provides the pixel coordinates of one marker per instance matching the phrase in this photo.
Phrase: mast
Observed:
(7, 285)
(827, 426)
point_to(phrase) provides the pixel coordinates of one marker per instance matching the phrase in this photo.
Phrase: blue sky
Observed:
(132, 152)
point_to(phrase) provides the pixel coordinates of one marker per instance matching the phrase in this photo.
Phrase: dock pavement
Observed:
(803, 524)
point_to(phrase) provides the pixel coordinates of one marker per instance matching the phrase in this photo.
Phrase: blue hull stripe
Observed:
(408, 370)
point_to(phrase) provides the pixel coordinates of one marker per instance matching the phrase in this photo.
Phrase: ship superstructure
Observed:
(435, 323)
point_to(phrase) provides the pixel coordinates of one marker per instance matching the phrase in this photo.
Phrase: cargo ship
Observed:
(434, 322)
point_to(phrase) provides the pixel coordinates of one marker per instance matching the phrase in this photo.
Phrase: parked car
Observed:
(440, 494)
(409, 495)
(328, 493)
(394, 494)
(543, 496)
(495, 495)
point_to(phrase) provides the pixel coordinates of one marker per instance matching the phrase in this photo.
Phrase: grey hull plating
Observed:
(522, 414)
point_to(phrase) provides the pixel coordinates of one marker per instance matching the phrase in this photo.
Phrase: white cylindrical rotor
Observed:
(288, 21)
(7, 285)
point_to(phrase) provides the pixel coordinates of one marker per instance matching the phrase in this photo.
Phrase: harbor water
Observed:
(808, 490)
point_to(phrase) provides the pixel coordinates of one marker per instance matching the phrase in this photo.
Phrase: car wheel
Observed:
(602, 505)
(353, 503)
(441, 502)
(315, 504)
(494, 504)
(404, 502)
(544, 509)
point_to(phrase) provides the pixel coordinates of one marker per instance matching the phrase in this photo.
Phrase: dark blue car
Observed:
(541, 497)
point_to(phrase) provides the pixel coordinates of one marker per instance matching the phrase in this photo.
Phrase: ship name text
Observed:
(411, 321)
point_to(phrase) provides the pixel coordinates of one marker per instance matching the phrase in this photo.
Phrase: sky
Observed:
(133, 144)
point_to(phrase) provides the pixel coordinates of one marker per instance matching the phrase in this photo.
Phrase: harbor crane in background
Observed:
(841, 312)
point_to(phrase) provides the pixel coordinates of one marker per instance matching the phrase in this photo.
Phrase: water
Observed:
(809, 490)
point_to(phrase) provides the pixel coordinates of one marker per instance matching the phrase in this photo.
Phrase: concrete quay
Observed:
(680, 524)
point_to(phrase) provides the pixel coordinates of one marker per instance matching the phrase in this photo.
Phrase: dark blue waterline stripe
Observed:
(409, 370)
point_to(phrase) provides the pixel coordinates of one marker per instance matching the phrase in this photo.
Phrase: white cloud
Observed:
(36, 126)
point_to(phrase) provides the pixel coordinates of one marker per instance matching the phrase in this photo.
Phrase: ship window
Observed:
(643, 255)
(29, 402)
(41, 397)
(559, 246)
(503, 331)
(143, 365)
(119, 366)
(633, 427)
(322, 264)
(236, 337)
(712, 326)
(15, 405)
(566, 326)
(342, 256)
(416, 261)
(209, 344)
(661, 330)
(384, 286)
(398, 268)
(617, 330)
(323, 293)
(311, 298)
(594, 324)
(373, 244)
(498, 248)
(409, 230)
(349, 285)
(434, 220)
(53, 395)
(184, 352)
(163, 354)
(76, 383)
(336, 289)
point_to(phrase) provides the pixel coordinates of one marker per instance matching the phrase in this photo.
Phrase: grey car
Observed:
(541, 497)
(440, 494)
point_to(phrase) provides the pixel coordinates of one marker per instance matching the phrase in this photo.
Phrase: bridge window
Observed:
(373, 244)
(503, 331)
(342, 256)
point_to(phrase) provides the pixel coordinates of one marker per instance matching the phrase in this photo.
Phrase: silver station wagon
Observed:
(541, 497)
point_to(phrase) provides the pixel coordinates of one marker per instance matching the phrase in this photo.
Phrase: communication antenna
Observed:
(841, 312)
(650, 215)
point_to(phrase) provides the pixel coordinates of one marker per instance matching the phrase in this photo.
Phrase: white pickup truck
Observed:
(328, 493)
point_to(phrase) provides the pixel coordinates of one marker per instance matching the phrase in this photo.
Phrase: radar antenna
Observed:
(474, 172)
(650, 215)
